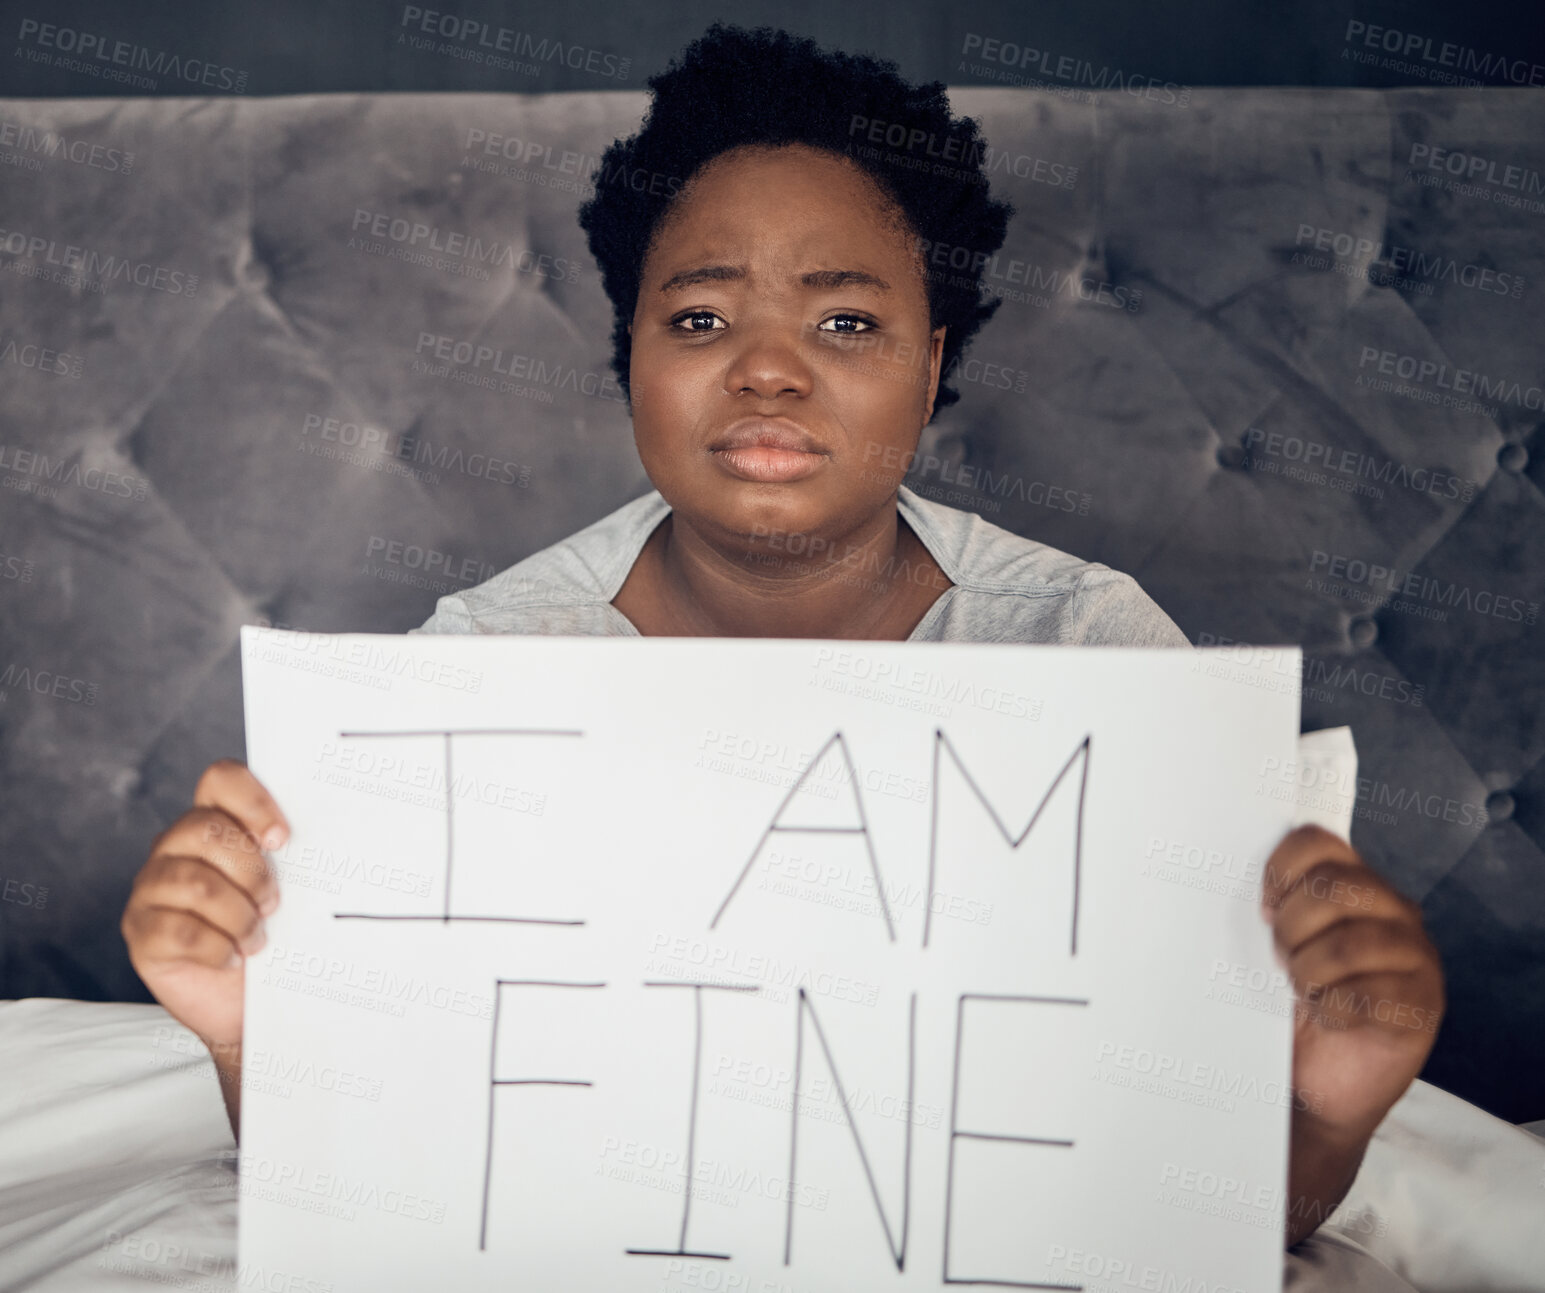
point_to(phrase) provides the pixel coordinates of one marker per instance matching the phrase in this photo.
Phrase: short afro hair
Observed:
(733, 87)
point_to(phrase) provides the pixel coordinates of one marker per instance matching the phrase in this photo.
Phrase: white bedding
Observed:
(114, 1144)
(117, 1172)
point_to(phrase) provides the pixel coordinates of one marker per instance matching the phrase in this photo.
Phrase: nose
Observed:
(768, 362)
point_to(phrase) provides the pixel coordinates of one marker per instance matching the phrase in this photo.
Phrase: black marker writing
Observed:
(861, 829)
(940, 740)
(681, 1249)
(956, 1134)
(495, 1081)
(898, 1251)
(445, 917)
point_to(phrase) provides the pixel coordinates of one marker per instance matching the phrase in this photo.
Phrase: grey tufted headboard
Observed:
(315, 361)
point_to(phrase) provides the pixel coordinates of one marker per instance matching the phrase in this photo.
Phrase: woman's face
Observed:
(781, 293)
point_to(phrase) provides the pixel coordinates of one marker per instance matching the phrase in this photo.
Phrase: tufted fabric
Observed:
(1239, 341)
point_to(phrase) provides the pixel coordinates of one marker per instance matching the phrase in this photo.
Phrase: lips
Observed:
(769, 451)
(770, 433)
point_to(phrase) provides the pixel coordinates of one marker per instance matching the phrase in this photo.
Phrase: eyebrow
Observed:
(826, 279)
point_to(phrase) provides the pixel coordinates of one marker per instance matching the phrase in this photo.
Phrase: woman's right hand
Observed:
(197, 907)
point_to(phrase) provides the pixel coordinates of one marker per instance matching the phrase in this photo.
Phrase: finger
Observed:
(228, 784)
(164, 934)
(1356, 947)
(192, 884)
(1329, 892)
(220, 840)
(1295, 853)
(1398, 1002)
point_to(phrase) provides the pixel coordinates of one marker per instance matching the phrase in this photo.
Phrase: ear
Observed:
(935, 358)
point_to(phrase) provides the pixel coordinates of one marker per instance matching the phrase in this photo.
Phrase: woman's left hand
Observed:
(1367, 979)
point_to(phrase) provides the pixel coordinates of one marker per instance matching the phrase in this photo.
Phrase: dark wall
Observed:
(302, 47)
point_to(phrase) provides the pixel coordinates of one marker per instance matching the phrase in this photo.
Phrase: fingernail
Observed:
(234, 961)
(269, 905)
(274, 838)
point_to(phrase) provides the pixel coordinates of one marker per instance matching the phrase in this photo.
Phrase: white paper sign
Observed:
(766, 966)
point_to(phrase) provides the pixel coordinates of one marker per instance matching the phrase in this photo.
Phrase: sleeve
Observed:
(450, 616)
(1109, 608)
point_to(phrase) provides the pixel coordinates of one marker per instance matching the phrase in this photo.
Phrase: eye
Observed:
(695, 314)
(868, 324)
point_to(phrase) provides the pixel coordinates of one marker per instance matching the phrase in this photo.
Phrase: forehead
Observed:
(788, 201)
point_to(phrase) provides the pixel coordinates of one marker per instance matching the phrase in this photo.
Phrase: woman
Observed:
(782, 344)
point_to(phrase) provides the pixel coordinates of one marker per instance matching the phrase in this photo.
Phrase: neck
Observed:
(853, 588)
